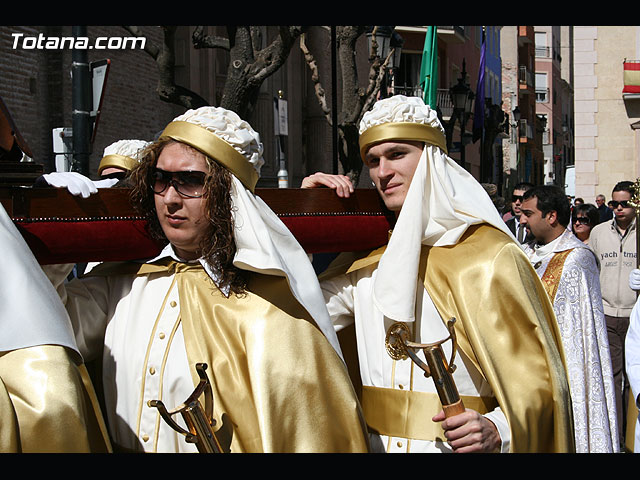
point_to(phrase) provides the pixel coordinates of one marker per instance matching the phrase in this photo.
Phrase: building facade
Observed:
(523, 152)
(554, 99)
(606, 117)
(36, 86)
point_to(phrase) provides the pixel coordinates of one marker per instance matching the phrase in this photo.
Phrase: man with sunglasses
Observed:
(519, 231)
(614, 242)
(231, 289)
(569, 272)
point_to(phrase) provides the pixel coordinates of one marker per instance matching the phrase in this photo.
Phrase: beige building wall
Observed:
(606, 144)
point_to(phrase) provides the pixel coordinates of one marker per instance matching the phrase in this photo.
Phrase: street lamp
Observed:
(516, 138)
(396, 44)
(387, 41)
(516, 114)
(381, 34)
(461, 95)
(462, 99)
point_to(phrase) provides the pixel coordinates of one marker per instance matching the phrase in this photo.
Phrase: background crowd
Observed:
(609, 230)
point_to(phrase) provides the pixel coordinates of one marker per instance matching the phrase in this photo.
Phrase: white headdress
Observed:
(263, 243)
(122, 154)
(443, 200)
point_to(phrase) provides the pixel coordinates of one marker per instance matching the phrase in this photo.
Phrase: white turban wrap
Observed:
(264, 244)
(443, 200)
(122, 154)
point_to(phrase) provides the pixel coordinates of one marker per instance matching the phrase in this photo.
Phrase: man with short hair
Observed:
(614, 243)
(231, 289)
(605, 212)
(450, 255)
(570, 275)
(519, 230)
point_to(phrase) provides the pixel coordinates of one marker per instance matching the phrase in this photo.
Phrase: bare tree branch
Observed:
(272, 57)
(250, 65)
(149, 47)
(355, 99)
(200, 40)
(167, 89)
(376, 75)
(315, 78)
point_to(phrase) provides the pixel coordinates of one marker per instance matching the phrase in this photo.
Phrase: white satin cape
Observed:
(264, 244)
(443, 200)
(31, 312)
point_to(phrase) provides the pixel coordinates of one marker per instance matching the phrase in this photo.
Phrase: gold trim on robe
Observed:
(280, 382)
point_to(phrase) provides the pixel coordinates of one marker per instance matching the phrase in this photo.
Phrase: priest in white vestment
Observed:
(570, 274)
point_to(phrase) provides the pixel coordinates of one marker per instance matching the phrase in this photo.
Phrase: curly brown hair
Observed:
(217, 246)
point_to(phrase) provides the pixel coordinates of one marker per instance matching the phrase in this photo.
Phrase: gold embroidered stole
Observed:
(553, 273)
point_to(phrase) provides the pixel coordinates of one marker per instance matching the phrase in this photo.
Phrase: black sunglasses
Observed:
(623, 204)
(582, 220)
(515, 198)
(187, 183)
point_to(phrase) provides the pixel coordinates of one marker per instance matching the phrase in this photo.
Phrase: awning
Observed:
(631, 76)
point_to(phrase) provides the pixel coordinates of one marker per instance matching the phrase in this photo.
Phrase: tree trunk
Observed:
(250, 65)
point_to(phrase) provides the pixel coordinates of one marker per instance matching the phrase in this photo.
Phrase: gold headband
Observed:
(214, 147)
(116, 160)
(401, 131)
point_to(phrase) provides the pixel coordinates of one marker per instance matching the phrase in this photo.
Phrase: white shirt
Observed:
(144, 357)
(349, 297)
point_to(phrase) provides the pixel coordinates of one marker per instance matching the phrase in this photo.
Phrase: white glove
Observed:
(77, 184)
(634, 279)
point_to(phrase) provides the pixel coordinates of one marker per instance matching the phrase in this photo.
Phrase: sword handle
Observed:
(453, 409)
(443, 380)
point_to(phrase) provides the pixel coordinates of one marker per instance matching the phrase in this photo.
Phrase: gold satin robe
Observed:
(273, 373)
(505, 326)
(47, 404)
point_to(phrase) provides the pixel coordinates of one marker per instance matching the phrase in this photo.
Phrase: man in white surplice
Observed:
(570, 274)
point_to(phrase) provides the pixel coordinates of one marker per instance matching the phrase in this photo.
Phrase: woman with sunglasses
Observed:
(584, 218)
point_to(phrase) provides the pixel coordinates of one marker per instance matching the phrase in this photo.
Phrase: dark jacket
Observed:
(511, 223)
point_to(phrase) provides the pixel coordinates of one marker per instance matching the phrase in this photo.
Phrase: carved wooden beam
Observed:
(62, 228)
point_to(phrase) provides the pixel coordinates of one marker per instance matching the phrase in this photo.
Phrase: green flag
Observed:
(429, 67)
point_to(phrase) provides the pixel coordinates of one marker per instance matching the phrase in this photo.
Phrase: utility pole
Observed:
(81, 105)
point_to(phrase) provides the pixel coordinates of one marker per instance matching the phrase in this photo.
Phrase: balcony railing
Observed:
(525, 130)
(542, 95)
(544, 52)
(525, 77)
(443, 98)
